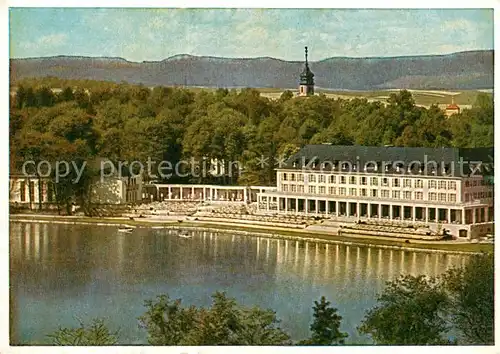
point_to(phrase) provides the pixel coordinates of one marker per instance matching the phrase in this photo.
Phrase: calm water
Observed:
(62, 273)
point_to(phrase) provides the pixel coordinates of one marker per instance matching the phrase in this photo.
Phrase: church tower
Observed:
(306, 86)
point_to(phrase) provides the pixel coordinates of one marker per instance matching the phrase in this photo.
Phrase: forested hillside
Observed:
(463, 70)
(128, 122)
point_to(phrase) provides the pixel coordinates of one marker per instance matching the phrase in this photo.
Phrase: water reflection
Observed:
(62, 271)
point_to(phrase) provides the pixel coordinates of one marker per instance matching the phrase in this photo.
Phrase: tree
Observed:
(166, 321)
(471, 290)
(286, 95)
(410, 312)
(96, 334)
(326, 325)
(224, 323)
(66, 95)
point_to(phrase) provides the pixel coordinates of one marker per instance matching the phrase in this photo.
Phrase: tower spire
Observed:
(306, 85)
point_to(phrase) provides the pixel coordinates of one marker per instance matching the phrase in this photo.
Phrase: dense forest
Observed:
(53, 119)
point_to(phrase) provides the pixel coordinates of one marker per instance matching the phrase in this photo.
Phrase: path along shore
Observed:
(324, 234)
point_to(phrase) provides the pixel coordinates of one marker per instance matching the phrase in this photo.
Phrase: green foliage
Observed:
(422, 311)
(95, 334)
(408, 313)
(472, 296)
(224, 323)
(132, 122)
(326, 325)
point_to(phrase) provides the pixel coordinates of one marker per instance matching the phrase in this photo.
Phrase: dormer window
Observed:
(295, 164)
(344, 166)
(386, 168)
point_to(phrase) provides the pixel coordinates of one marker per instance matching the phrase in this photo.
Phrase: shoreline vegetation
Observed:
(455, 308)
(268, 231)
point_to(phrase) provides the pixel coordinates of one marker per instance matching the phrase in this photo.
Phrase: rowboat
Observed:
(125, 229)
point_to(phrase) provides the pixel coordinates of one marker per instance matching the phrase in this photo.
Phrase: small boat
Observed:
(125, 229)
(184, 235)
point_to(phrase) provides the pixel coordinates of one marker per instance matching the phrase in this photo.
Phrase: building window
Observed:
(321, 178)
(432, 196)
(331, 190)
(452, 198)
(407, 182)
(22, 186)
(363, 181)
(419, 195)
(352, 180)
(312, 189)
(294, 188)
(396, 194)
(384, 193)
(467, 197)
(50, 191)
(44, 190)
(322, 190)
(332, 179)
(285, 188)
(432, 184)
(352, 191)
(395, 182)
(342, 179)
(301, 189)
(292, 177)
(419, 183)
(442, 197)
(284, 177)
(442, 184)
(300, 177)
(312, 178)
(374, 181)
(474, 183)
(452, 185)
(342, 191)
(374, 193)
(467, 183)
(363, 192)
(32, 191)
(407, 195)
(385, 181)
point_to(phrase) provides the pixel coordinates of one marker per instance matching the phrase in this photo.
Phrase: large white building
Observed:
(446, 188)
(30, 193)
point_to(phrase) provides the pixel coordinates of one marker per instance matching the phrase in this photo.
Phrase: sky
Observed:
(156, 34)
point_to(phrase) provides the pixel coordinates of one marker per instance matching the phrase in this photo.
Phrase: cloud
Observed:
(154, 34)
(48, 41)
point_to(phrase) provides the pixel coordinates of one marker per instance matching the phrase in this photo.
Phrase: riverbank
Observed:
(280, 232)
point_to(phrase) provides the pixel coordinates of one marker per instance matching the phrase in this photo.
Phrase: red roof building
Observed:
(452, 108)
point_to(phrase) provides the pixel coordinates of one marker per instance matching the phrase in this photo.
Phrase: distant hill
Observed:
(464, 70)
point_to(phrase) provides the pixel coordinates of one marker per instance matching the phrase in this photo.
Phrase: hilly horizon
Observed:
(461, 70)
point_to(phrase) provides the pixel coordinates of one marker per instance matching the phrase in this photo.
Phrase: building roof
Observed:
(393, 160)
